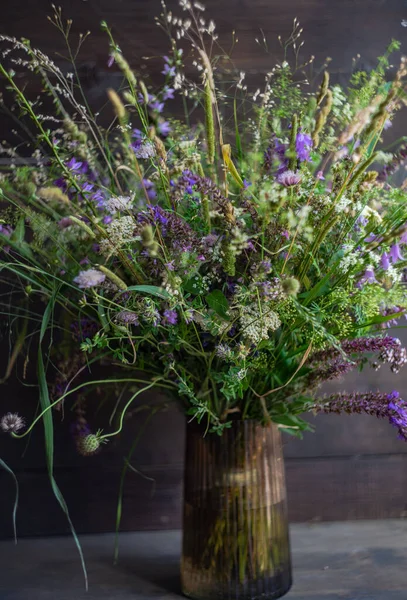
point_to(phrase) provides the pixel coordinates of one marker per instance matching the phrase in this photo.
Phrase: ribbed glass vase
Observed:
(235, 537)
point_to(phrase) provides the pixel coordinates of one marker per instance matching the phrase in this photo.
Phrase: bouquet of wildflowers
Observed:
(236, 259)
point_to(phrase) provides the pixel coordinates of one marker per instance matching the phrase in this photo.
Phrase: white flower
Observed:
(342, 205)
(256, 325)
(119, 204)
(11, 422)
(89, 278)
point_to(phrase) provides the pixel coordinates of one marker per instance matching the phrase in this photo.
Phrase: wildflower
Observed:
(395, 253)
(367, 277)
(389, 406)
(150, 189)
(385, 261)
(168, 93)
(143, 149)
(110, 60)
(157, 106)
(77, 167)
(89, 278)
(170, 317)
(164, 128)
(11, 423)
(127, 316)
(289, 178)
(303, 146)
(168, 71)
(119, 204)
(88, 444)
(223, 351)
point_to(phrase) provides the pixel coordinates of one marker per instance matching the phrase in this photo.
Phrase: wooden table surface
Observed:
(363, 560)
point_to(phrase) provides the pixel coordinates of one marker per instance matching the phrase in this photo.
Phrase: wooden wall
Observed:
(352, 467)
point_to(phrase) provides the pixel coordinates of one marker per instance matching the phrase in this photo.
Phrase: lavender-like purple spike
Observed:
(378, 404)
(389, 348)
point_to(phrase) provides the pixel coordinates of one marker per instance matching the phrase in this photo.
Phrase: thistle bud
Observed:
(291, 286)
(88, 444)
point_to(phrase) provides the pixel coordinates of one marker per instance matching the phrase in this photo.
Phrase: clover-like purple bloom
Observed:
(170, 317)
(289, 178)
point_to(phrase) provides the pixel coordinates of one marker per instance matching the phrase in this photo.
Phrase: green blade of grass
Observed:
(15, 507)
(49, 438)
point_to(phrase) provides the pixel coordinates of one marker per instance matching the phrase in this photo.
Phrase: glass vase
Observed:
(235, 536)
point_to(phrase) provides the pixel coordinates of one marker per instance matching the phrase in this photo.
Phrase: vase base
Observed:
(262, 590)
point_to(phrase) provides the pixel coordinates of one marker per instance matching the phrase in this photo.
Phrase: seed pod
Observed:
(323, 88)
(117, 104)
(209, 123)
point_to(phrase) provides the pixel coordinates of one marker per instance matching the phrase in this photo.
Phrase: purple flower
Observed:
(168, 93)
(99, 199)
(385, 261)
(89, 278)
(156, 105)
(5, 230)
(395, 253)
(168, 71)
(143, 149)
(107, 219)
(170, 317)
(367, 277)
(137, 134)
(289, 178)
(246, 183)
(87, 187)
(320, 175)
(389, 406)
(141, 98)
(303, 146)
(76, 166)
(150, 189)
(164, 128)
(110, 60)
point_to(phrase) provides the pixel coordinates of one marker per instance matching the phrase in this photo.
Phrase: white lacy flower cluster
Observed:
(119, 204)
(120, 231)
(257, 321)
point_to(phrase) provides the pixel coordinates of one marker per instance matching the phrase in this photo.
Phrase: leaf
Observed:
(7, 468)
(237, 134)
(216, 300)
(153, 290)
(19, 231)
(49, 449)
(46, 317)
(195, 285)
(226, 153)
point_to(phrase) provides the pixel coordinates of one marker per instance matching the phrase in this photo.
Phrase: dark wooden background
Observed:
(352, 467)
